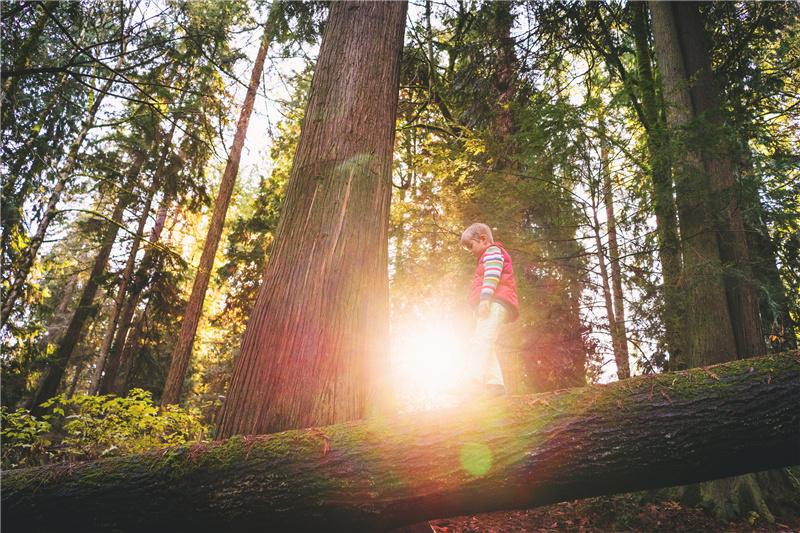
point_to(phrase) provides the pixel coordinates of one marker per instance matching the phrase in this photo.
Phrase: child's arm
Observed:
(492, 267)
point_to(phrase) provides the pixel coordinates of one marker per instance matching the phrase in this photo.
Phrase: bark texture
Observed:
(706, 331)
(514, 452)
(315, 349)
(740, 288)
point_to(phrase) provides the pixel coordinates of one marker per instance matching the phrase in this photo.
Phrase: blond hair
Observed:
(475, 232)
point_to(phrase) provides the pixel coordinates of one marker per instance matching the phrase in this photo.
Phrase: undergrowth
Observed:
(90, 427)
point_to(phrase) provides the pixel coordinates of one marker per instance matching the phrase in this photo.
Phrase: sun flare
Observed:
(428, 359)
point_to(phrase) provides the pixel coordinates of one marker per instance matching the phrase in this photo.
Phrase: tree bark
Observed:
(315, 348)
(515, 452)
(706, 330)
(662, 194)
(740, 288)
(183, 348)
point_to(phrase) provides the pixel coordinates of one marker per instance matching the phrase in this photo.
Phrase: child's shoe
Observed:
(467, 390)
(494, 391)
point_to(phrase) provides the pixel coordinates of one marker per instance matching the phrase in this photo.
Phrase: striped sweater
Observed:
(493, 266)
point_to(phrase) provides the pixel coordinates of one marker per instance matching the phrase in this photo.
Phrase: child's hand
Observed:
(483, 309)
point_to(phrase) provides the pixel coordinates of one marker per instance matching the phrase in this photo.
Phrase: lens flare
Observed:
(428, 357)
(476, 458)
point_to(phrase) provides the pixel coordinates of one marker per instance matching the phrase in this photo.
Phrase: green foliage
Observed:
(25, 439)
(91, 427)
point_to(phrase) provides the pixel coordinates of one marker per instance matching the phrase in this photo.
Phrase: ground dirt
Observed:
(618, 514)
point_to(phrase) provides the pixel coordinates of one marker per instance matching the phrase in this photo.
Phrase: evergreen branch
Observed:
(108, 219)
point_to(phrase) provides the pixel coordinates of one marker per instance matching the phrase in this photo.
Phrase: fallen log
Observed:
(514, 452)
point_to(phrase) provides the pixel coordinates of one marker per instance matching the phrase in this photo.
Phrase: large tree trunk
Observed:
(706, 201)
(183, 348)
(706, 330)
(515, 452)
(315, 349)
(741, 290)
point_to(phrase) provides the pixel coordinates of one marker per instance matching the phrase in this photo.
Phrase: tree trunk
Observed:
(107, 360)
(619, 331)
(64, 175)
(110, 383)
(49, 386)
(705, 330)
(315, 348)
(183, 348)
(130, 352)
(23, 59)
(662, 194)
(113, 320)
(741, 293)
(705, 200)
(516, 452)
(608, 300)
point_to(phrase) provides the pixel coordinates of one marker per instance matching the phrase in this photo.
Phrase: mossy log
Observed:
(375, 475)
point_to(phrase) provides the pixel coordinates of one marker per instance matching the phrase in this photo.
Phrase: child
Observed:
(494, 299)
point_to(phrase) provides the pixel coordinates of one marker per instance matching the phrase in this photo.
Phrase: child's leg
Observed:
(491, 372)
(482, 352)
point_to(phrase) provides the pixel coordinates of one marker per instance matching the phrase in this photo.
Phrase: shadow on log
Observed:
(376, 475)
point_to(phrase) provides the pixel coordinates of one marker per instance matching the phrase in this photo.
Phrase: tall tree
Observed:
(316, 347)
(183, 348)
(740, 288)
(706, 328)
(65, 174)
(52, 379)
(662, 190)
(105, 378)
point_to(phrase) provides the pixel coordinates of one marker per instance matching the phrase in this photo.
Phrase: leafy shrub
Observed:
(91, 427)
(24, 439)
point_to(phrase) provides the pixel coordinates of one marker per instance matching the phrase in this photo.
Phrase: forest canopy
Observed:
(645, 182)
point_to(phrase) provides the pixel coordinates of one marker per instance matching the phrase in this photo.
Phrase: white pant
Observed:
(482, 361)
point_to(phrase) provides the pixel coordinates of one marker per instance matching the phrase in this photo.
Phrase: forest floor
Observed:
(617, 514)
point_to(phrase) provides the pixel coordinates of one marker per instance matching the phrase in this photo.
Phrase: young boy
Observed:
(494, 299)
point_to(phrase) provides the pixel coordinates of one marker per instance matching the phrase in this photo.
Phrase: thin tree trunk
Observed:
(601, 263)
(662, 195)
(183, 348)
(56, 327)
(130, 354)
(104, 363)
(119, 301)
(49, 386)
(618, 333)
(64, 175)
(119, 355)
(315, 348)
(706, 330)
(517, 452)
(23, 59)
(740, 289)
